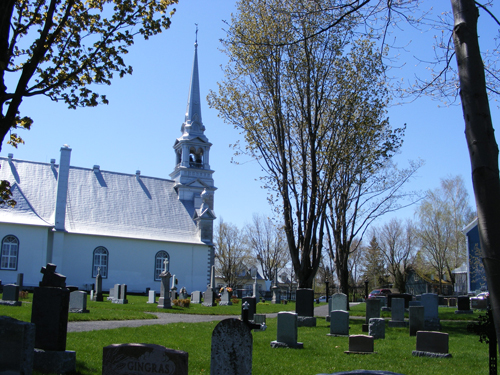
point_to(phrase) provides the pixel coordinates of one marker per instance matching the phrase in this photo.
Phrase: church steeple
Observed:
(192, 173)
(193, 123)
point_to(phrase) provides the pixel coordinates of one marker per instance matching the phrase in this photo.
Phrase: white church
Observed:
(124, 225)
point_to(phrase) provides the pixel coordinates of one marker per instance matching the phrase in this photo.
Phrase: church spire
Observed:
(193, 124)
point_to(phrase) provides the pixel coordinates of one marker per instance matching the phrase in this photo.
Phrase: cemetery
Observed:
(284, 347)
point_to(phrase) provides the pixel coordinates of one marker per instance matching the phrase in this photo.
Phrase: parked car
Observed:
(322, 299)
(379, 293)
(480, 301)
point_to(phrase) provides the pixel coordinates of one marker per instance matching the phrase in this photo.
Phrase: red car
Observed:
(379, 293)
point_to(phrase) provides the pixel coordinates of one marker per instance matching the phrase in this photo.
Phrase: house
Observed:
(245, 284)
(475, 269)
(88, 220)
(418, 283)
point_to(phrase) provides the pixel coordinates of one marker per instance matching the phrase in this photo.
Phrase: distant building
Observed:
(87, 220)
(419, 283)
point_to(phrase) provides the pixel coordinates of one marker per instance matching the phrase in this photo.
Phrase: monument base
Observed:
(397, 324)
(59, 362)
(418, 353)
(225, 303)
(120, 301)
(79, 311)
(432, 325)
(306, 321)
(10, 303)
(464, 312)
(278, 344)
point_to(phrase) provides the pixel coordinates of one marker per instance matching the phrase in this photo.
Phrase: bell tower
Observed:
(192, 173)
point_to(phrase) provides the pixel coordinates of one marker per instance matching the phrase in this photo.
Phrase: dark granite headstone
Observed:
(20, 280)
(252, 306)
(98, 287)
(304, 305)
(127, 359)
(50, 316)
(10, 293)
(17, 344)
(231, 348)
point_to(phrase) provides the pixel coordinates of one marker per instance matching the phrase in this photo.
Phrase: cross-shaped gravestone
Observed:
(51, 277)
(249, 324)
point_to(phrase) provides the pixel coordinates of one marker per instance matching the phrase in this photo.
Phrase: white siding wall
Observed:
(32, 253)
(132, 262)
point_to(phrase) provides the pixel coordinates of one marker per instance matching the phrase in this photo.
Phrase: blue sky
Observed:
(137, 130)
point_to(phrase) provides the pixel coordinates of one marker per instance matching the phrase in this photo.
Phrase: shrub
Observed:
(181, 302)
(235, 300)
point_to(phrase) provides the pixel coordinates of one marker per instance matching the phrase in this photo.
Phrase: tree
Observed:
(59, 48)
(398, 246)
(298, 105)
(267, 242)
(443, 214)
(282, 98)
(232, 256)
(373, 264)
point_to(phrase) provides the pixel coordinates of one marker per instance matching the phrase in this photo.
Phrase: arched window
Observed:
(10, 252)
(160, 263)
(100, 262)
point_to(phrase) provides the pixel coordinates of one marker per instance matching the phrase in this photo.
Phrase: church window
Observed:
(100, 262)
(10, 252)
(160, 263)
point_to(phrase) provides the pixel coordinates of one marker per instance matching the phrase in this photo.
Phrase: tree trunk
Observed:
(483, 149)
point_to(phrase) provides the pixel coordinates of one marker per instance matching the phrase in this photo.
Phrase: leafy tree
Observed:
(282, 98)
(59, 48)
(306, 109)
(232, 256)
(398, 246)
(267, 242)
(443, 214)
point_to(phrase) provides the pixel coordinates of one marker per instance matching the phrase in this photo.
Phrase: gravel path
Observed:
(164, 318)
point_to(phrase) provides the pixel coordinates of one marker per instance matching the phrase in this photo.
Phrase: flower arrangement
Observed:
(228, 289)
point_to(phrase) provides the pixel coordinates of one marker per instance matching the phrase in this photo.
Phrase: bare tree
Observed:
(443, 214)
(398, 243)
(232, 256)
(267, 242)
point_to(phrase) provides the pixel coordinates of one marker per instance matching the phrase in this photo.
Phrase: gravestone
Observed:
(78, 302)
(397, 313)
(151, 296)
(339, 323)
(196, 297)
(430, 301)
(376, 328)
(432, 344)
(231, 348)
(17, 344)
(259, 319)
(414, 303)
(10, 295)
(183, 293)
(463, 305)
(225, 298)
(372, 311)
(20, 280)
(164, 300)
(173, 289)
(407, 298)
(98, 286)
(209, 295)
(92, 295)
(287, 331)
(304, 307)
(452, 302)
(252, 306)
(127, 359)
(417, 319)
(360, 344)
(337, 302)
(120, 294)
(276, 295)
(111, 294)
(49, 313)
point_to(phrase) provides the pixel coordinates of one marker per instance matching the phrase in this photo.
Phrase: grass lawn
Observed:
(321, 353)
